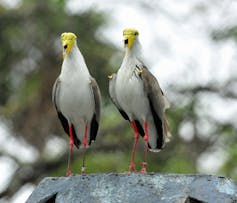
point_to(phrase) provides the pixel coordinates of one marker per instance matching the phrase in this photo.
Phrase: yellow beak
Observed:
(128, 40)
(67, 46)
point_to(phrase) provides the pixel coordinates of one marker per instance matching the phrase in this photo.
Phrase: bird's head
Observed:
(68, 39)
(129, 36)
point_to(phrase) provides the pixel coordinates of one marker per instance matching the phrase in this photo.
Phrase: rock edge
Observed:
(135, 188)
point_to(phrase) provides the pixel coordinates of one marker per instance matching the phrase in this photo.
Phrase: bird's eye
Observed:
(65, 46)
(135, 33)
(126, 41)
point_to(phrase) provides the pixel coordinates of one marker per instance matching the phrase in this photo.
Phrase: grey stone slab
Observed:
(135, 188)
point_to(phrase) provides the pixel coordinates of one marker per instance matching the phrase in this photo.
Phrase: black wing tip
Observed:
(77, 143)
(139, 128)
(94, 129)
(91, 141)
(158, 125)
(65, 125)
(124, 115)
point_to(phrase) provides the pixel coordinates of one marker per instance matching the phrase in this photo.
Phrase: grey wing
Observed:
(158, 104)
(112, 94)
(94, 126)
(55, 93)
(62, 118)
(154, 92)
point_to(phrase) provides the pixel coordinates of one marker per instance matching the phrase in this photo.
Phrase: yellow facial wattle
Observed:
(129, 36)
(68, 39)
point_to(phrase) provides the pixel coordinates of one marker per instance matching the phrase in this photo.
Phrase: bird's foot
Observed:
(83, 170)
(69, 173)
(140, 72)
(132, 168)
(110, 77)
(145, 138)
(143, 170)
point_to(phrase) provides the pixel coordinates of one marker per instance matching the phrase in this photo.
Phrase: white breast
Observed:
(76, 99)
(130, 92)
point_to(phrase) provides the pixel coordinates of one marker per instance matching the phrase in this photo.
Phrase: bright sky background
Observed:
(175, 36)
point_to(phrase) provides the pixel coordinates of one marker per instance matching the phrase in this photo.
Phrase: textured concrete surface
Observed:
(135, 188)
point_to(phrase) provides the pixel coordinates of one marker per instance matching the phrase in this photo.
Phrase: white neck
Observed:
(74, 64)
(133, 56)
(134, 52)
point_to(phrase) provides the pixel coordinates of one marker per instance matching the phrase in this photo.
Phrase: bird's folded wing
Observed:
(62, 118)
(97, 97)
(112, 94)
(157, 100)
(55, 94)
(154, 92)
(94, 123)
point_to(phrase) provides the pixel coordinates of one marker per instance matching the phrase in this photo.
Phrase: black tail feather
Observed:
(159, 127)
(94, 129)
(139, 128)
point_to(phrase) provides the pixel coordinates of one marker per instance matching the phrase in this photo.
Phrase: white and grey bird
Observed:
(137, 95)
(76, 97)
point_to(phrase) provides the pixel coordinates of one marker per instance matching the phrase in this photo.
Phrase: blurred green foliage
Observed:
(31, 57)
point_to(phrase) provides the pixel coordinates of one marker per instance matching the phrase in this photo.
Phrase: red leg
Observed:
(83, 169)
(136, 137)
(144, 164)
(71, 143)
